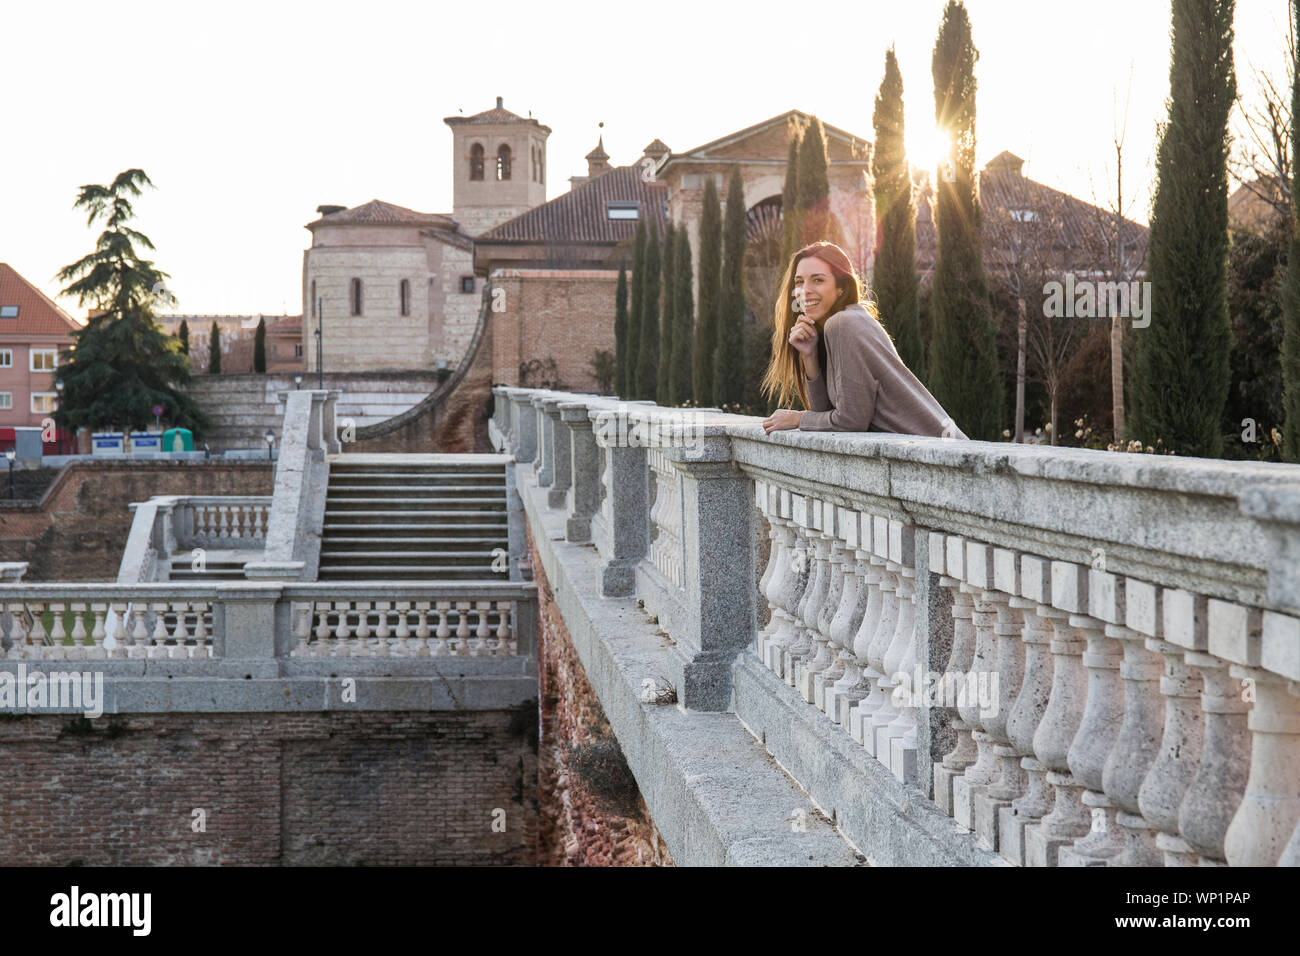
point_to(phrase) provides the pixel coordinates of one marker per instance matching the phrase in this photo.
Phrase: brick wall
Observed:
(77, 530)
(293, 789)
(591, 812)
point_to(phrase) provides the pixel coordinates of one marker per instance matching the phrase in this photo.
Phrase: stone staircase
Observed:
(415, 518)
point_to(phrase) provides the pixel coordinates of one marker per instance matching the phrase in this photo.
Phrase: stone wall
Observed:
(379, 788)
(565, 315)
(591, 811)
(77, 530)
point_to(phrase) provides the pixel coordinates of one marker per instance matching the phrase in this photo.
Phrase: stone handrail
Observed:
(1081, 657)
(167, 523)
(254, 626)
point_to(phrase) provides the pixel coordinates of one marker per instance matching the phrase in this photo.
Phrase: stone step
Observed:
(406, 557)
(386, 572)
(409, 505)
(474, 492)
(392, 529)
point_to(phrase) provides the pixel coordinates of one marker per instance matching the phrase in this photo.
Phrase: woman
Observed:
(839, 359)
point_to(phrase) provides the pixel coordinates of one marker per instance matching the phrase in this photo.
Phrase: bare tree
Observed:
(1262, 162)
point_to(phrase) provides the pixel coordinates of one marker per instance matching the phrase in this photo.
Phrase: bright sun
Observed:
(926, 146)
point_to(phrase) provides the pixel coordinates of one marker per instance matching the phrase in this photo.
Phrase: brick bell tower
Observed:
(499, 167)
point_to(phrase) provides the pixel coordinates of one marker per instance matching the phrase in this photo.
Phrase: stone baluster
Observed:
(381, 647)
(544, 466)
(1103, 718)
(77, 650)
(896, 741)
(854, 685)
(462, 629)
(974, 702)
(862, 719)
(442, 635)
(1034, 603)
(1171, 774)
(202, 649)
(1216, 791)
(301, 628)
(767, 498)
(824, 652)
(791, 588)
(834, 615)
(844, 625)
(948, 559)
(97, 633)
(1261, 830)
(422, 632)
(1008, 678)
(1069, 818)
(809, 510)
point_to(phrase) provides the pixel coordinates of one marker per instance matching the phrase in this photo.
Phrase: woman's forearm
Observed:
(811, 367)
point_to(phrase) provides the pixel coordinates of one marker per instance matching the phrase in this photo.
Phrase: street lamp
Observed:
(270, 442)
(10, 453)
(297, 382)
(320, 359)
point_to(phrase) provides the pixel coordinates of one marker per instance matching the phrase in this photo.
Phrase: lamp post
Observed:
(270, 442)
(11, 453)
(297, 382)
(58, 387)
(320, 357)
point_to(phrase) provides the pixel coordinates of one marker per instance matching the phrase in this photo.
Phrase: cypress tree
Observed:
(680, 371)
(185, 337)
(710, 287)
(1181, 369)
(790, 231)
(620, 332)
(668, 323)
(729, 349)
(648, 352)
(963, 363)
(634, 317)
(895, 270)
(214, 350)
(815, 219)
(259, 346)
(1291, 281)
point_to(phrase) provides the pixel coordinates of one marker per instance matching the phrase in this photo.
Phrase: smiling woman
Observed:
(865, 386)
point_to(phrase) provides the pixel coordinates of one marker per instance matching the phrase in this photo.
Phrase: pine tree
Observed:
(121, 363)
(620, 332)
(680, 370)
(214, 350)
(790, 231)
(668, 323)
(632, 374)
(259, 346)
(815, 219)
(896, 284)
(729, 348)
(710, 289)
(1181, 370)
(185, 337)
(648, 353)
(1291, 282)
(963, 364)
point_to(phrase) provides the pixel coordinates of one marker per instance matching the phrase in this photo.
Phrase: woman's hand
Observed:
(804, 337)
(782, 418)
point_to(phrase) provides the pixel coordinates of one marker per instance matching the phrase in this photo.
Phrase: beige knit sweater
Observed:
(864, 385)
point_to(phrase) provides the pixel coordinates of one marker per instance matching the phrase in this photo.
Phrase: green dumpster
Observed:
(178, 439)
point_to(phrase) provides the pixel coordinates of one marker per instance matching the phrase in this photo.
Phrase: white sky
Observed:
(249, 115)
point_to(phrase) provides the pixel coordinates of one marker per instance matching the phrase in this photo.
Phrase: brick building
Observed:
(284, 348)
(33, 330)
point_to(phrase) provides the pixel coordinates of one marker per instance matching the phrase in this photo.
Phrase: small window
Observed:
(466, 283)
(503, 162)
(43, 402)
(356, 296)
(6, 400)
(297, 350)
(1024, 215)
(313, 298)
(476, 161)
(622, 209)
(6, 358)
(404, 296)
(44, 360)
(8, 311)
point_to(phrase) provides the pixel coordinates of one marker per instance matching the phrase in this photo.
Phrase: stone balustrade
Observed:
(1077, 658)
(263, 622)
(222, 521)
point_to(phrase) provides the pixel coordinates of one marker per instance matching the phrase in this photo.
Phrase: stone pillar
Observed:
(524, 436)
(629, 483)
(329, 422)
(544, 465)
(718, 533)
(561, 452)
(253, 631)
(577, 469)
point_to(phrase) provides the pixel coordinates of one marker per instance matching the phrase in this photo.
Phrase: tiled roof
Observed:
(378, 212)
(37, 314)
(580, 214)
(1082, 227)
(499, 114)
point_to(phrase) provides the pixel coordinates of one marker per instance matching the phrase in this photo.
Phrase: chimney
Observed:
(597, 160)
(499, 102)
(328, 210)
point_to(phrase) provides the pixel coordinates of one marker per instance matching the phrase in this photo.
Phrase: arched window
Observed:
(503, 162)
(404, 296)
(476, 161)
(356, 296)
(313, 298)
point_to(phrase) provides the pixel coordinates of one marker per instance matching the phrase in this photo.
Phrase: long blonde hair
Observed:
(785, 375)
